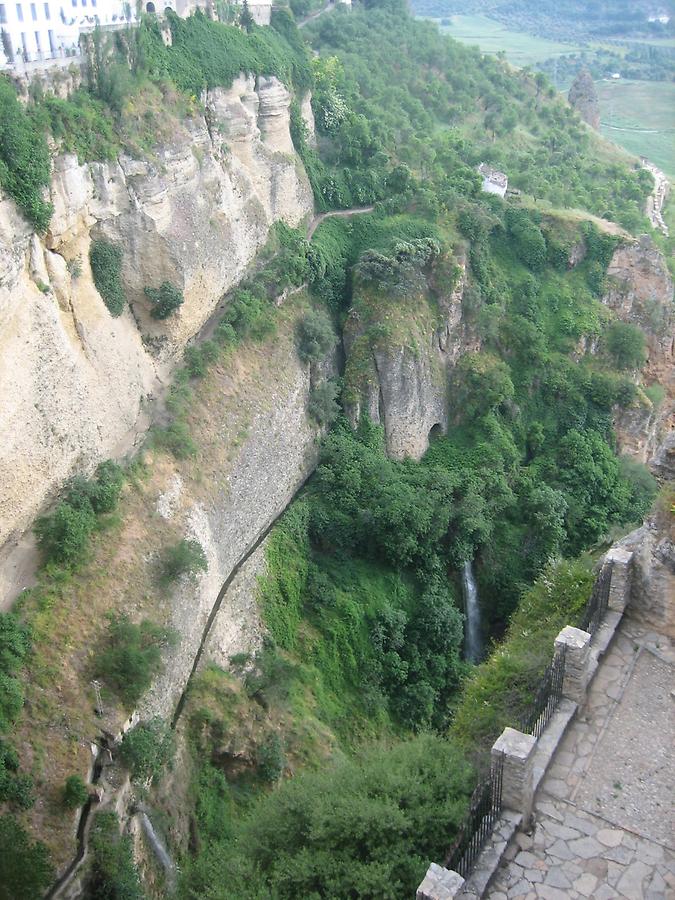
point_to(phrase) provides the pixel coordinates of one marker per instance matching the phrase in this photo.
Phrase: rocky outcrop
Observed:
(640, 291)
(400, 380)
(652, 594)
(583, 97)
(74, 382)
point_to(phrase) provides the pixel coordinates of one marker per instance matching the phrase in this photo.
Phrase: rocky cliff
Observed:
(640, 291)
(398, 374)
(652, 595)
(74, 382)
(257, 445)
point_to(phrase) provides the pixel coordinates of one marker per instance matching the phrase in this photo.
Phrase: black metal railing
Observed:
(484, 810)
(546, 698)
(598, 602)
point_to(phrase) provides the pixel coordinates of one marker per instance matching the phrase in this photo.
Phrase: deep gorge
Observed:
(323, 432)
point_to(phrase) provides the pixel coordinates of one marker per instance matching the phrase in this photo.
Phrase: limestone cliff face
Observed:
(401, 381)
(641, 291)
(73, 380)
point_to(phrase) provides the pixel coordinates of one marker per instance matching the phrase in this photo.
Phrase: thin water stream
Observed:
(472, 631)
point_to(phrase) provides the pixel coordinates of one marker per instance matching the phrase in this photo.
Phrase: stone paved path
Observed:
(605, 812)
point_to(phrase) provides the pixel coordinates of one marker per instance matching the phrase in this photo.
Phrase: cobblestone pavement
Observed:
(604, 814)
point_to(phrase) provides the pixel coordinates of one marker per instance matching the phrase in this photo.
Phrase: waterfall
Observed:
(472, 639)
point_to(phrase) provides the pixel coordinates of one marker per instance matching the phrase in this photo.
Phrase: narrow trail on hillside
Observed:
(336, 214)
(315, 15)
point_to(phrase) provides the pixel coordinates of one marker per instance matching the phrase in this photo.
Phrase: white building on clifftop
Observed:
(32, 32)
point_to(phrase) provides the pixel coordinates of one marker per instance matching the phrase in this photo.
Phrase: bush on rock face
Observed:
(184, 558)
(106, 268)
(165, 300)
(132, 656)
(315, 336)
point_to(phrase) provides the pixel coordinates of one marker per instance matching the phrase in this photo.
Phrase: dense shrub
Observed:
(323, 406)
(131, 656)
(527, 239)
(271, 759)
(63, 536)
(316, 336)
(165, 300)
(24, 158)
(360, 828)
(106, 268)
(626, 345)
(147, 749)
(15, 788)
(15, 642)
(25, 868)
(175, 438)
(113, 875)
(75, 793)
(187, 557)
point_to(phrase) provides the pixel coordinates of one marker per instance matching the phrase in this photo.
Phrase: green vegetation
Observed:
(131, 656)
(271, 759)
(626, 345)
(16, 789)
(323, 406)
(106, 268)
(316, 336)
(165, 300)
(365, 827)
(24, 159)
(187, 557)
(390, 92)
(500, 691)
(113, 875)
(207, 54)
(63, 535)
(147, 749)
(25, 870)
(75, 793)
(15, 641)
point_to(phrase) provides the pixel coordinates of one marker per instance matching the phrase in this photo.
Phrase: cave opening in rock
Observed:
(435, 432)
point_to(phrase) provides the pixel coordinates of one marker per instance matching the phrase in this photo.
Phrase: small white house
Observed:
(494, 182)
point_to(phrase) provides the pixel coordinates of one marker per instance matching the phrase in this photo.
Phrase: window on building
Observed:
(3, 14)
(52, 42)
(37, 42)
(24, 44)
(74, 2)
(19, 12)
(33, 11)
(47, 14)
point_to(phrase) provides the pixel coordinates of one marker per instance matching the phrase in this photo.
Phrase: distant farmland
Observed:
(640, 116)
(521, 49)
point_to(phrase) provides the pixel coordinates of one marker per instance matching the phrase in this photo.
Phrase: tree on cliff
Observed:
(583, 97)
